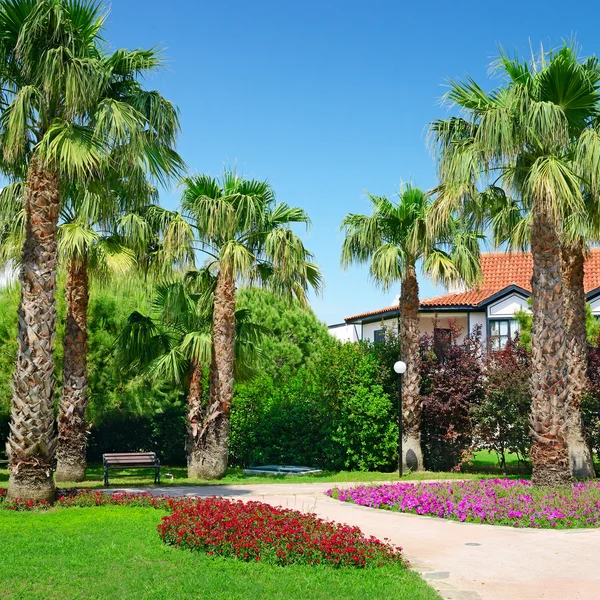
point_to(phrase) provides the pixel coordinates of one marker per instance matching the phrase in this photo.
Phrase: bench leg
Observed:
(157, 475)
(105, 476)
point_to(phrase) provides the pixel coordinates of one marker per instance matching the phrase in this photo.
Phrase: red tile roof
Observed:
(500, 270)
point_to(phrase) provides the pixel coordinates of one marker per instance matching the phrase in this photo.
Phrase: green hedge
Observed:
(334, 415)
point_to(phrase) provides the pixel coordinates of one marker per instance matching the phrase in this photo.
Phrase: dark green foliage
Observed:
(590, 405)
(8, 351)
(296, 337)
(332, 414)
(162, 431)
(502, 417)
(124, 413)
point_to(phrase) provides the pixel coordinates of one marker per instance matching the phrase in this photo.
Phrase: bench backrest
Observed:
(129, 458)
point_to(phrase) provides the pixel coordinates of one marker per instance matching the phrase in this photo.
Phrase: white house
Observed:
(503, 291)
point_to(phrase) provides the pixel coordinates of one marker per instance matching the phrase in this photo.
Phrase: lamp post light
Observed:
(400, 368)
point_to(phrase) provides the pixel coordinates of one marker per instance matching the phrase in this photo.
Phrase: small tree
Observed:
(393, 239)
(247, 238)
(501, 420)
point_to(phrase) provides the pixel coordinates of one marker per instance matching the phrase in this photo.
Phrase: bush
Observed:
(333, 415)
(162, 432)
(590, 405)
(502, 417)
(451, 387)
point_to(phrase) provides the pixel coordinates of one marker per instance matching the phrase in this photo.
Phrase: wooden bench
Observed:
(131, 460)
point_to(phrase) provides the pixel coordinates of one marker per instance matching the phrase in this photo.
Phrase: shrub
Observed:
(333, 415)
(451, 386)
(161, 429)
(501, 419)
(590, 406)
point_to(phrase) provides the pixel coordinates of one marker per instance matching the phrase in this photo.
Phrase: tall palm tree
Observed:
(533, 142)
(511, 226)
(247, 238)
(96, 238)
(393, 239)
(174, 344)
(58, 124)
(91, 244)
(91, 237)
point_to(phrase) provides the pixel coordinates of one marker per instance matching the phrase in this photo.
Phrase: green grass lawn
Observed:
(483, 465)
(115, 552)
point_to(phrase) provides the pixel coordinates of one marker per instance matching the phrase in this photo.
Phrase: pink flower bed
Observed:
(493, 501)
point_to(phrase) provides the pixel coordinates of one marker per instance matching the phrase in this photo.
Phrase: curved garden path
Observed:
(463, 561)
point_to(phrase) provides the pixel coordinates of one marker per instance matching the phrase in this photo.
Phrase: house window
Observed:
(379, 336)
(501, 330)
(442, 338)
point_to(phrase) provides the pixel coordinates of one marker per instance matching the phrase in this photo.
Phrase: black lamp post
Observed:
(400, 368)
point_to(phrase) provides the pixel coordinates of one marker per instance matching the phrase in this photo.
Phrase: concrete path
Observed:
(463, 561)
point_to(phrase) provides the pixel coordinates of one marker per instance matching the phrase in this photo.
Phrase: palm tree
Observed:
(91, 237)
(59, 124)
(247, 238)
(95, 239)
(393, 238)
(90, 245)
(174, 344)
(511, 226)
(532, 143)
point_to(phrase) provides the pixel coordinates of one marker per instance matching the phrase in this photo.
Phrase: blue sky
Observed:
(329, 98)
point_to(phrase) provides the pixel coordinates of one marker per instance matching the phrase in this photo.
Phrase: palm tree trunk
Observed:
(412, 456)
(72, 431)
(549, 404)
(195, 421)
(31, 443)
(215, 438)
(580, 457)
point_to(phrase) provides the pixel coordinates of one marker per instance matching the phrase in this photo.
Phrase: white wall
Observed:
(345, 333)
(369, 329)
(443, 320)
(356, 332)
(478, 318)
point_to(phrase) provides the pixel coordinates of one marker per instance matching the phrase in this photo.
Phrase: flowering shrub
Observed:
(495, 502)
(255, 531)
(251, 531)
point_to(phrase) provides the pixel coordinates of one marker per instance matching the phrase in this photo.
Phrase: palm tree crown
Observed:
(396, 235)
(243, 231)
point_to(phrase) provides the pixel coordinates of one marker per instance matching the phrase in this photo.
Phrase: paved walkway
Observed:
(463, 561)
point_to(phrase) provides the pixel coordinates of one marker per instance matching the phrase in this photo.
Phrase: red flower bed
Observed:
(250, 531)
(254, 531)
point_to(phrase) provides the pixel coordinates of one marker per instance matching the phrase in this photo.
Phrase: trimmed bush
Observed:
(334, 415)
